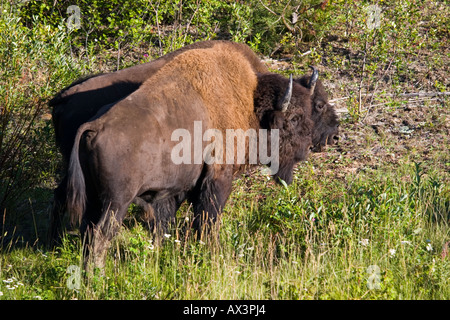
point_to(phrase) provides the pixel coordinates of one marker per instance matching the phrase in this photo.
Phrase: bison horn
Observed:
(287, 96)
(313, 79)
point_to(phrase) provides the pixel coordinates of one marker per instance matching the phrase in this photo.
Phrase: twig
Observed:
(118, 57)
(421, 94)
(157, 26)
(304, 54)
(339, 99)
(291, 29)
(267, 8)
(407, 95)
(362, 77)
(190, 21)
(414, 101)
(384, 74)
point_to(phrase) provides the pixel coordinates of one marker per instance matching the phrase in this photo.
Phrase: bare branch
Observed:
(267, 8)
(406, 95)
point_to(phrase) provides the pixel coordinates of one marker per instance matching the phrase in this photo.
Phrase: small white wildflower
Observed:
(1, 293)
(250, 248)
(19, 283)
(42, 254)
(166, 235)
(10, 280)
(429, 247)
(237, 272)
(38, 297)
(405, 242)
(392, 252)
(177, 241)
(294, 262)
(201, 242)
(151, 247)
(186, 219)
(364, 242)
(11, 287)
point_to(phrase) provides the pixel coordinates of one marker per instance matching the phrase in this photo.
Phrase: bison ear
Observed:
(313, 79)
(284, 103)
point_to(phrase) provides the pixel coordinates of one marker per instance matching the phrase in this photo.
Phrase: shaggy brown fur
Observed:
(222, 78)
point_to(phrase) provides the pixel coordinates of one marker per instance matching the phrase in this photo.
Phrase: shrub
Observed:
(33, 62)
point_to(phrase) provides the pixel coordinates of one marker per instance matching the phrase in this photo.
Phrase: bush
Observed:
(168, 25)
(33, 62)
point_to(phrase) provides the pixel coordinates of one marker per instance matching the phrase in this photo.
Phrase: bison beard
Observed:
(125, 153)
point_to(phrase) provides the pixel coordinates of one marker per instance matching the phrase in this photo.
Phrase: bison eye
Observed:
(320, 106)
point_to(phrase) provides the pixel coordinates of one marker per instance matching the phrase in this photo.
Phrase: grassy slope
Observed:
(367, 219)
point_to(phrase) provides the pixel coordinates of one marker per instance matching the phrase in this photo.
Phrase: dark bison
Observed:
(81, 101)
(126, 151)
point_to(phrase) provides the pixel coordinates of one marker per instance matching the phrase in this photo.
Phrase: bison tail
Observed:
(76, 187)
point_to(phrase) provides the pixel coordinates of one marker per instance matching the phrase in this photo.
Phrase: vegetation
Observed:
(367, 219)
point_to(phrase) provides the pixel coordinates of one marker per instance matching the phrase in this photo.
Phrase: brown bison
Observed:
(126, 150)
(79, 102)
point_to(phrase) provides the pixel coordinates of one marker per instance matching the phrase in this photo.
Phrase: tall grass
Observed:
(351, 240)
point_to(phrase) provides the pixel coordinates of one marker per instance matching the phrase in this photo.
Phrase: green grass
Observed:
(304, 242)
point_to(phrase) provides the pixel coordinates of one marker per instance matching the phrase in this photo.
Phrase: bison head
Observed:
(285, 105)
(326, 123)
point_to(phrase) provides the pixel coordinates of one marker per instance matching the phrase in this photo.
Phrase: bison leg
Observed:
(159, 213)
(165, 213)
(148, 214)
(99, 235)
(209, 198)
(90, 219)
(57, 214)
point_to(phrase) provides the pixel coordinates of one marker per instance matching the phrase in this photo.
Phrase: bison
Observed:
(125, 151)
(81, 101)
